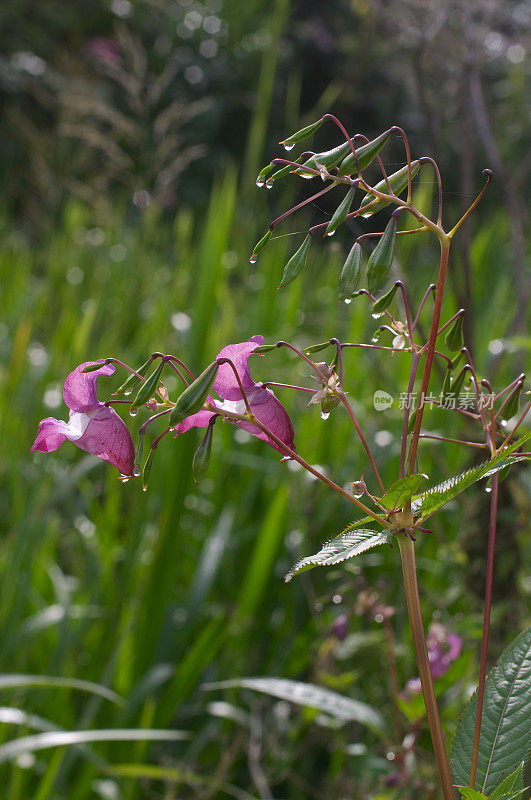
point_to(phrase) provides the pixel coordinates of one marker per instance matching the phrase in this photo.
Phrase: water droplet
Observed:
(269, 184)
(330, 233)
(137, 471)
(289, 147)
(488, 489)
(144, 488)
(366, 216)
(260, 182)
(357, 496)
(307, 175)
(374, 339)
(325, 414)
(124, 478)
(504, 423)
(348, 301)
(133, 412)
(252, 260)
(377, 316)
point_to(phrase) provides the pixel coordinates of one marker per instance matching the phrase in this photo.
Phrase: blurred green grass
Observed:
(151, 594)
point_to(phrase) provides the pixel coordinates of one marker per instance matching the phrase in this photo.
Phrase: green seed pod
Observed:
(411, 423)
(447, 383)
(193, 397)
(265, 348)
(201, 458)
(341, 212)
(148, 388)
(296, 263)
(350, 274)
(454, 337)
(301, 135)
(259, 246)
(458, 381)
(384, 301)
(260, 178)
(366, 154)
(315, 348)
(283, 171)
(147, 468)
(398, 181)
(381, 257)
(131, 383)
(139, 455)
(457, 360)
(511, 407)
(328, 159)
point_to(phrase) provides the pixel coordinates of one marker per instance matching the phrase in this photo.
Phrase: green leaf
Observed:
(511, 787)
(471, 794)
(20, 681)
(336, 550)
(296, 263)
(401, 491)
(342, 708)
(437, 496)
(506, 720)
(41, 741)
(381, 258)
(398, 181)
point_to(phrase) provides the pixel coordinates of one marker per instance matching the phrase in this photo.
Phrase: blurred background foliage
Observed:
(131, 138)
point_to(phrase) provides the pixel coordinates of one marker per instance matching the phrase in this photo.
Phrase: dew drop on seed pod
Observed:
(289, 147)
(252, 260)
(269, 184)
(488, 489)
(348, 301)
(260, 182)
(377, 316)
(357, 496)
(124, 478)
(133, 412)
(325, 414)
(504, 423)
(136, 472)
(374, 339)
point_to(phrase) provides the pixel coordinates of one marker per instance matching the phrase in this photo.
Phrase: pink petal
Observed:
(108, 437)
(199, 420)
(226, 384)
(79, 390)
(271, 413)
(50, 436)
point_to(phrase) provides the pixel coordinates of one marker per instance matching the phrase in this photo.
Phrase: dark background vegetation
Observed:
(132, 133)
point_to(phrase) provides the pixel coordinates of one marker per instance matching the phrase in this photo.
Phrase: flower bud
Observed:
(398, 181)
(296, 263)
(193, 397)
(341, 212)
(201, 458)
(454, 337)
(365, 154)
(384, 301)
(259, 246)
(301, 135)
(130, 384)
(339, 627)
(381, 257)
(351, 273)
(148, 388)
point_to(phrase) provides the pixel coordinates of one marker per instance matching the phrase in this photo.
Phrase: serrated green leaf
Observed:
(437, 496)
(471, 794)
(342, 708)
(339, 549)
(401, 491)
(511, 787)
(506, 720)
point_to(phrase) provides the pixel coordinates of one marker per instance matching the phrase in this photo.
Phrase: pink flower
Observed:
(92, 425)
(262, 401)
(444, 647)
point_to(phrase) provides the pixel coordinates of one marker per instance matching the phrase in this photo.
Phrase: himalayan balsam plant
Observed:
(491, 743)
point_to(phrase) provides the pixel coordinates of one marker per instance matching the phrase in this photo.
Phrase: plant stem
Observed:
(486, 626)
(409, 570)
(443, 268)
